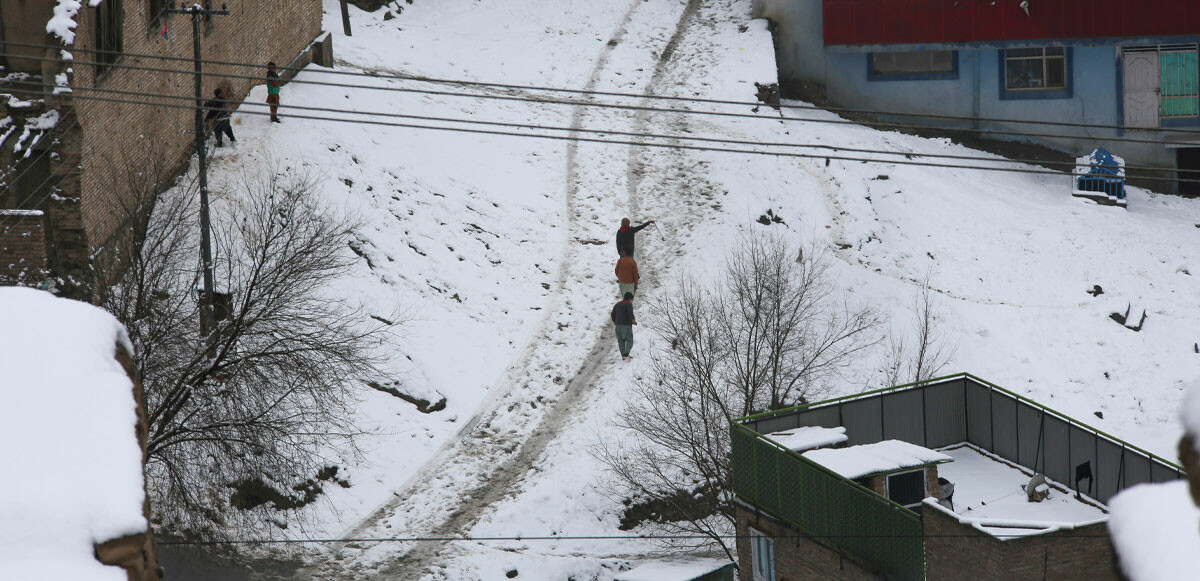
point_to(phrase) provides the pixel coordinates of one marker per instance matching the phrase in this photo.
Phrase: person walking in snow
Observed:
(623, 320)
(218, 113)
(273, 86)
(625, 236)
(627, 275)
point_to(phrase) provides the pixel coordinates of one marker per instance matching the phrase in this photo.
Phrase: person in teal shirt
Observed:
(273, 85)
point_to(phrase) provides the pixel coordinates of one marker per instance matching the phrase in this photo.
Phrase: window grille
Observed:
(1179, 88)
(1035, 69)
(762, 556)
(108, 34)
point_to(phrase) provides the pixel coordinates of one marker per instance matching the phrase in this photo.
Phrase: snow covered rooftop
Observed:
(1155, 530)
(72, 463)
(988, 495)
(878, 458)
(809, 437)
(673, 570)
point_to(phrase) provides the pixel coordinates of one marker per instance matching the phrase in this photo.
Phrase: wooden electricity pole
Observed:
(346, 18)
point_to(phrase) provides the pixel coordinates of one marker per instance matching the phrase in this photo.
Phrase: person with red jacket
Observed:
(623, 320)
(625, 236)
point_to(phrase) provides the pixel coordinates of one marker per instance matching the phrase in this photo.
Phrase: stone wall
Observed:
(22, 246)
(797, 556)
(134, 553)
(957, 551)
(118, 134)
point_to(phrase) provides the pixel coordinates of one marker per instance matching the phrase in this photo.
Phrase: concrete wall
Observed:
(838, 77)
(115, 134)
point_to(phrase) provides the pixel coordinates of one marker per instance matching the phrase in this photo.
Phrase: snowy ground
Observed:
(501, 249)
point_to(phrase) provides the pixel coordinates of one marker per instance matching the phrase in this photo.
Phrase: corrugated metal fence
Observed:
(964, 408)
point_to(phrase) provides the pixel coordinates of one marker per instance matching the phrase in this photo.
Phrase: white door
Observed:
(1141, 89)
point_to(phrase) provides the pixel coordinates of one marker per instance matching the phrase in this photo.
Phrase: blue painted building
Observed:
(1130, 65)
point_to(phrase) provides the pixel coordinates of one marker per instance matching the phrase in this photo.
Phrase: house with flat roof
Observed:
(946, 479)
(1126, 67)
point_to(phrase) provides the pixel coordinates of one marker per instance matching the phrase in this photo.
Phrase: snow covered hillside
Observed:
(501, 250)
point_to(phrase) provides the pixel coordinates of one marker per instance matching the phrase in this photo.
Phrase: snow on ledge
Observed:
(877, 458)
(72, 463)
(1155, 530)
(809, 437)
(673, 570)
(63, 24)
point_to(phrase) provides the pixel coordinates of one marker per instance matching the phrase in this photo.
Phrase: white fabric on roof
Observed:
(885, 456)
(809, 437)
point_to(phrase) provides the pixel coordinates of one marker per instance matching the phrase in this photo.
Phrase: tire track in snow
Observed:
(465, 452)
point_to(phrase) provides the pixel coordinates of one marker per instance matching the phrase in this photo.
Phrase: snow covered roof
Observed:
(809, 437)
(1155, 530)
(673, 570)
(988, 496)
(68, 445)
(878, 458)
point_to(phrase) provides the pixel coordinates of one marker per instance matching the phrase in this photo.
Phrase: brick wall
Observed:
(957, 551)
(117, 134)
(22, 246)
(797, 556)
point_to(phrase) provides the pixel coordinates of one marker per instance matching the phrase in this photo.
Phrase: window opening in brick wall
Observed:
(1035, 69)
(907, 488)
(107, 28)
(154, 13)
(762, 556)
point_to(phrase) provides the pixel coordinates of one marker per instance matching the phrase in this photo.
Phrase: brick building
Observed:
(64, 151)
(953, 478)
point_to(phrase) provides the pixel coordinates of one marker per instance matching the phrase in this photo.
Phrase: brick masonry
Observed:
(115, 134)
(797, 556)
(955, 551)
(22, 246)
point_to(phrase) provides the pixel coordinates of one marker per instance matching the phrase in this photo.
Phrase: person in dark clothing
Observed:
(218, 113)
(625, 236)
(623, 320)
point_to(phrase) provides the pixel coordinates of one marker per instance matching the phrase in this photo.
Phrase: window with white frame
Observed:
(762, 556)
(1035, 69)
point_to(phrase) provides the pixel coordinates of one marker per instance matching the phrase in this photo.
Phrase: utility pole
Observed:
(208, 322)
(346, 18)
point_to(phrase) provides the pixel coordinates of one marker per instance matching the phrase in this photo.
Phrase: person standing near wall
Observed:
(218, 113)
(623, 320)
(273, 86)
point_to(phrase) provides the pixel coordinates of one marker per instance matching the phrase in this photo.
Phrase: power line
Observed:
(650, 143)
(463, 82)
(577, 103)
(599, 538)
(1066, 164)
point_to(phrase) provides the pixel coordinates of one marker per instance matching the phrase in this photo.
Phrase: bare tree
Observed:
(929, 352)
(252, 413)
(767, 335)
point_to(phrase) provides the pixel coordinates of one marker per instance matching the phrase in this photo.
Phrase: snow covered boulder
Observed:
(72, 444)
(1155, 528)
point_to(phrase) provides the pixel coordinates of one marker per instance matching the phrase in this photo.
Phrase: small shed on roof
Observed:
(681, 569)
(902, 472)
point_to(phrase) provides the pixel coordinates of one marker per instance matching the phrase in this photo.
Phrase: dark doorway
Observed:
(1188, 162)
